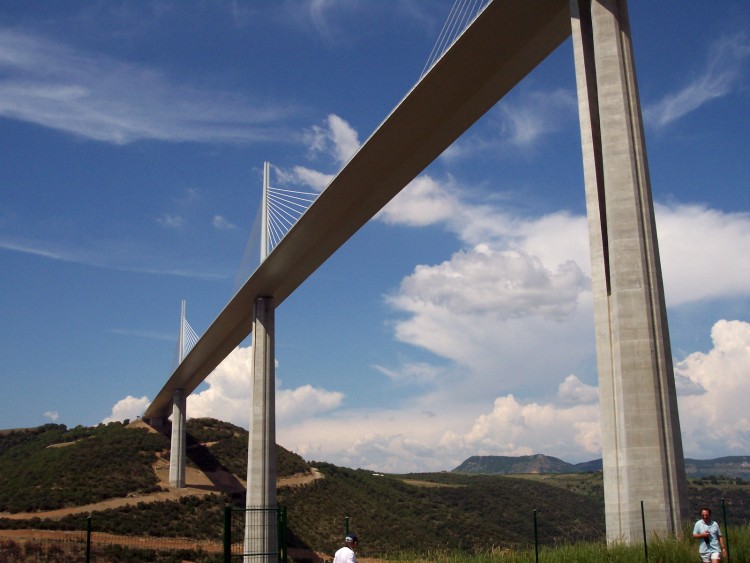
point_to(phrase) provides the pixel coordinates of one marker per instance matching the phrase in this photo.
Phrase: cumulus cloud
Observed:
(336, 138)
(52, 415)
(503, 284)
(519, 286)
(567, 425)
(517, 428)
(716, 422)
(700, 250)
(305, 401)
(441, 436)
(128, 408)
(228, 394)
(423, 202)
(572, 390)
(303, 176)
(554, 238)
(724, 70)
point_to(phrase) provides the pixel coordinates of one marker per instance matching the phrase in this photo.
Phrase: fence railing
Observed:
(255, 534)
(249, 535)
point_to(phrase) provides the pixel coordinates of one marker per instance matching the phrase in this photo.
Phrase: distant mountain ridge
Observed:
(730, 466)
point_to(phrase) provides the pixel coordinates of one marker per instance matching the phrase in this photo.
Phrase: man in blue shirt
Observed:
(712, 542)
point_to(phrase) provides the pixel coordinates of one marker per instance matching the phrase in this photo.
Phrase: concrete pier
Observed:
(178, 448)
(641, 442)
(260, 526)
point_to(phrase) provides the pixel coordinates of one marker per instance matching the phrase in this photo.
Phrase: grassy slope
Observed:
(458, 511)
(392, 513)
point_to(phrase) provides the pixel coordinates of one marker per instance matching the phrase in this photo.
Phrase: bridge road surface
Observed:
(505, 42)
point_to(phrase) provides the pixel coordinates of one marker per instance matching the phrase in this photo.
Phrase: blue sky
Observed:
(457, 322)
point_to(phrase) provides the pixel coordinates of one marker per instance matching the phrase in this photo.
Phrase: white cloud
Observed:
(517, 428)
(725, 69)
(305, 401)
(52, 415)
(222, 224)
(419, 372)
(702, 252)
(337, 139)
(520, 286)
(104, 99)
(716, 422)
(516, 124)
(537, 114)
(228, 392)
(423, 202)
(128, 408)
(416, 438)
(228, 395)
(554, 238)
(501, 284)
(491, 311)
(172, 221)
(572, 391)
(302, 176)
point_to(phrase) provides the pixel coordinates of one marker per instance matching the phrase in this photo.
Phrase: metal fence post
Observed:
(726, 530)
(281, 519)
(227, 534)
(88, 538)
(536, 539)
(645, 543)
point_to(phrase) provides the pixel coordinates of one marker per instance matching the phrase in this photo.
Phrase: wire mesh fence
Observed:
(30, 546)
(249, 535)
(255, 534)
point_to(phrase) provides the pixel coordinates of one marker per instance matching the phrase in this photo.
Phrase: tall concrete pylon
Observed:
(260, 520)
(178, 445)
(261, 535)
(641, 441)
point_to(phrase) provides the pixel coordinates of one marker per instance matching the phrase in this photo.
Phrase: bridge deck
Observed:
(506, 41)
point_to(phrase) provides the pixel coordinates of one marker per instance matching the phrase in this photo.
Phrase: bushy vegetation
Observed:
(448, 516)
(42, 552)
(93, 464)
(436, 511)
(227, 444)
(52, 467)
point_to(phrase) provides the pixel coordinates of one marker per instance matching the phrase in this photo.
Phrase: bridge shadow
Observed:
(220, 477)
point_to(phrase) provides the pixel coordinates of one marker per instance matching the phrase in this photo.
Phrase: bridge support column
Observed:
(260, 525)
(641, 442)
(177, 452)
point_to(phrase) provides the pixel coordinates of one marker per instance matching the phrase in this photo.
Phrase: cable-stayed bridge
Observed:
(642, 449)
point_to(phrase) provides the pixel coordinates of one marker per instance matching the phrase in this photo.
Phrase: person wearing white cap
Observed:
(346, 554)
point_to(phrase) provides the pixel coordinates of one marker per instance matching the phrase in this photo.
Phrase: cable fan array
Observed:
(284, 209)
(461, 15)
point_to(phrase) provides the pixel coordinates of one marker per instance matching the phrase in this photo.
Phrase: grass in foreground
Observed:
(680, 550)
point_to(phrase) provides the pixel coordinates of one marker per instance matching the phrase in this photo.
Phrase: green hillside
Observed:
(51, 467)
(730, 466)
(438, 511)
(507, 465)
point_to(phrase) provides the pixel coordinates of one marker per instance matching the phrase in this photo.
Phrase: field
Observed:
(52, 478)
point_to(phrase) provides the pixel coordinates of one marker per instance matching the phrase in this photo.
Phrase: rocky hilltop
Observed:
(730, 466)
